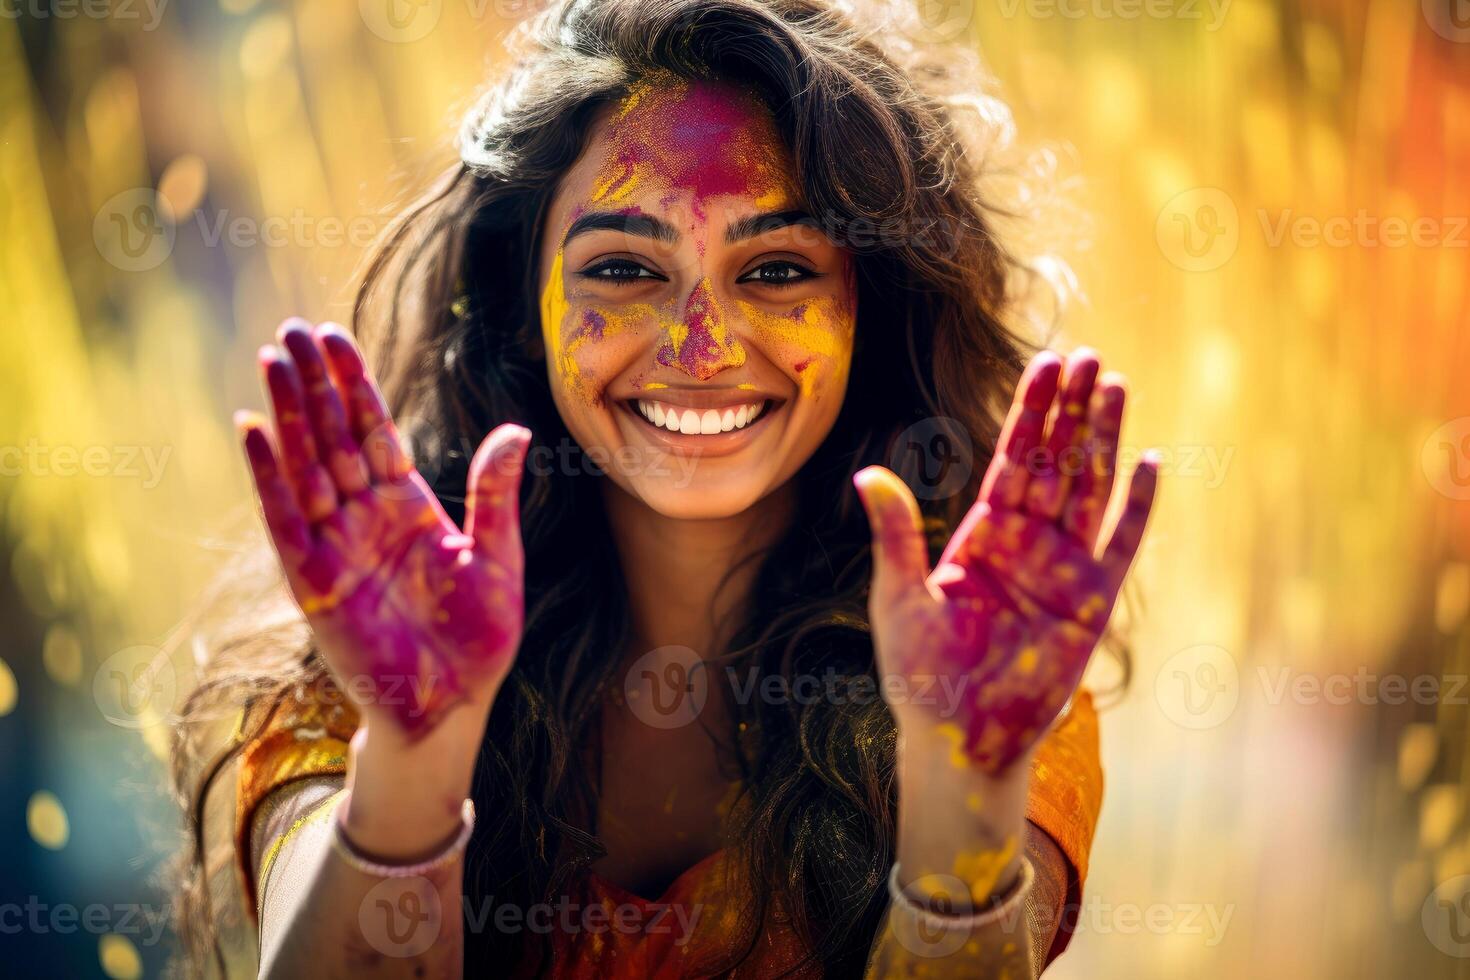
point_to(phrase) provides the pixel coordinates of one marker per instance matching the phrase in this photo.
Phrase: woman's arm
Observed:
(419, 622)
(1007, 619)
(320, 916)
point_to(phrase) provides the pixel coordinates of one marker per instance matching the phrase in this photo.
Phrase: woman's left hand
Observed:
(999, 632)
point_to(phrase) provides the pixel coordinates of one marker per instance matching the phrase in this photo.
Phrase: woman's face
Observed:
(698, 326)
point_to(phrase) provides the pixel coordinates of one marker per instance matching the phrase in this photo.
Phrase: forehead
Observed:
(674, 140)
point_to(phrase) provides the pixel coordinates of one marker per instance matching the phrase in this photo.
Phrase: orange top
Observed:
(631, 936)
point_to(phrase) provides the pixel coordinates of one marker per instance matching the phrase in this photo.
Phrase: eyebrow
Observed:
(641, 225)
(758, 224)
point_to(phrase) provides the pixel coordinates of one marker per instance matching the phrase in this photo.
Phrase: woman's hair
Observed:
(902, 160)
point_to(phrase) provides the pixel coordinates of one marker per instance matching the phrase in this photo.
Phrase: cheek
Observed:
(812, 342)
(586, 341)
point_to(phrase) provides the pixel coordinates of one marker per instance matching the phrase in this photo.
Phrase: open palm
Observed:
(412, 614)
(1012, 611)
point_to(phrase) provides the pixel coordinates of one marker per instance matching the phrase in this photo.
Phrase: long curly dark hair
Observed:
(892, 153)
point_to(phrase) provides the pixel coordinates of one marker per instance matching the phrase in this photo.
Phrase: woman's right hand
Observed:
(413, 616)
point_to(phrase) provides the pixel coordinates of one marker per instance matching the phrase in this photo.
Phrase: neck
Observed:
(681, 587)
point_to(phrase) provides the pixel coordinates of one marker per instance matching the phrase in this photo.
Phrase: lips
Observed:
(693, 421)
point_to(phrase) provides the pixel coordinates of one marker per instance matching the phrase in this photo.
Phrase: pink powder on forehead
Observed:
(707, 138)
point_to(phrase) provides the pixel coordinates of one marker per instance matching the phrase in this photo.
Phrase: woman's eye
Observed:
(619, 271)
(778, 273)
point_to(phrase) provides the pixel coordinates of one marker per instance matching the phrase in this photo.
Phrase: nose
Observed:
(700, 344)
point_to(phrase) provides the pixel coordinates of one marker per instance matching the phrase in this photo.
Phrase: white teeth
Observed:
(691, 423)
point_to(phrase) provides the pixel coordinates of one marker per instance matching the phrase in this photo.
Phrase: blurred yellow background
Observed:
(1272, 242)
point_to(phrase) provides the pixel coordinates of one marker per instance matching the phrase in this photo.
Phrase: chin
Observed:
(696, 496)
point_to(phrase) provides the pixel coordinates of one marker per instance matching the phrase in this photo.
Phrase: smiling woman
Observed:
(695, 296)
(653, 252)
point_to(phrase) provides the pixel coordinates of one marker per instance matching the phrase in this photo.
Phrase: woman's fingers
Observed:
(1005, 481)
(283, 517)
(1087, 502)
(900, 557)
(493, 506)
(1123, 543)
(1058, 465)
(367, 414)
(297, 446)
(336, 447)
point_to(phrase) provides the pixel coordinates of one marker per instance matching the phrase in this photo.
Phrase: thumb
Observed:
(492, 511)
(900, 558)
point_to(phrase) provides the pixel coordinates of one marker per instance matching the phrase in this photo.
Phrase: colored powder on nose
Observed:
(700, 345)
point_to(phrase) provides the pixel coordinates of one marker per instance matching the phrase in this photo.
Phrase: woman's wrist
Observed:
(958, 825)
(406, 796)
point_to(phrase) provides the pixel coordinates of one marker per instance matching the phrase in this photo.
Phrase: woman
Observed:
(657, 696)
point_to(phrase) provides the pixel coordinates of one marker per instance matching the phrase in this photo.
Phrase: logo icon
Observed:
(934, 457)
(1445, 458)
(401, 917)
(667, 687)
(931, 936)
(1199, 230)
(136, 687)
(401, 21)
(1198, 687)
(1450, 19)
(1445, 916)
(935, 21)
(134, 230)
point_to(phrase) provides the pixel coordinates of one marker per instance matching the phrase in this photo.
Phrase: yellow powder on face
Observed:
(554, 308)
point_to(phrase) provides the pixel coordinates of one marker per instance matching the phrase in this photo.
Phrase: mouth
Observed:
(702, 430)
(699, 422)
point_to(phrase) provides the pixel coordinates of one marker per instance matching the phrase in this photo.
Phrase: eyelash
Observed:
(620, 270)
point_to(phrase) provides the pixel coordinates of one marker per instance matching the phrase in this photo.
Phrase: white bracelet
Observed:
(371, 866)
(1001, 910)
